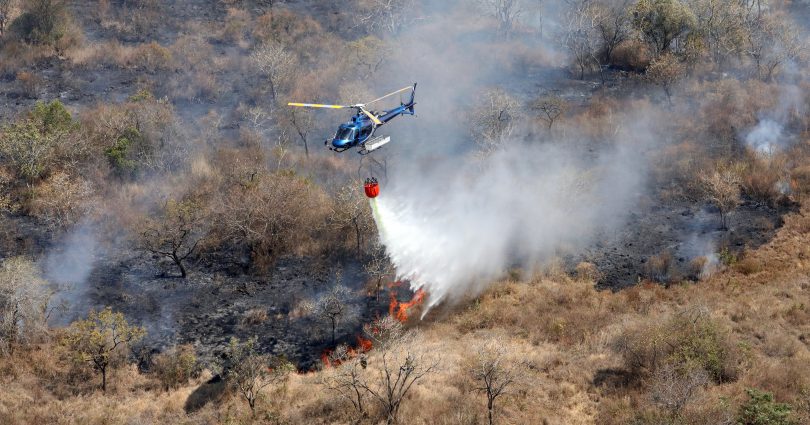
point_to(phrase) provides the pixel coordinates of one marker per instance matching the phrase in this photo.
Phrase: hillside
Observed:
(589, 212)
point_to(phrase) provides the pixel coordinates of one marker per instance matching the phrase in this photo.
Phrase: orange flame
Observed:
(363, 346)
(399, 310)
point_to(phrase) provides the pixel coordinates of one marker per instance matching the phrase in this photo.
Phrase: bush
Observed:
(690, 339)
(760, 409)
(176, 366)
(42, 22)
(34, 145)
(122, 153)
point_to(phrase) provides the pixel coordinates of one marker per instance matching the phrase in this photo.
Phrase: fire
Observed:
(363, 346)
(399, 310)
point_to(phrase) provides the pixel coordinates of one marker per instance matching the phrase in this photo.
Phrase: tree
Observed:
(399, 366)
(613, 25)
(23, 303)
(102, 340)
(378, 268)
(347, 377)
(505, 12)
(581, 36)
(723, 25)
(771, 43)
(495, 119)
(493, 372)
(550, 108)
(351, 209)
(175, 233)
(387, 16)
(665, 71)
(662, 22)
(368, 54)
(761, 409)
(334, 306)
(721, 188)
(301, 121)
(251, 373)
(277, 63)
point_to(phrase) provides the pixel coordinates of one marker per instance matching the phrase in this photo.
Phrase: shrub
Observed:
(761, 409)
(176, 366)
(34, 145)
(690, 339)
(122, 153)
(42, 21)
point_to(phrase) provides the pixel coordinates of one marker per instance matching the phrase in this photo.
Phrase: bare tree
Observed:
(302, 121)
(379, 267)
(102, 340)
(582, 36)
(175, 233)
(493, 372)
(505, 12)
(251, 373)
(398, 366)
(387, 16)
(495, 119)
(334, 307)
(550, 108)
(23, 303)
(368, 54)
(351, 209)
(721, 187)
(771, 43)
(346, 379)
(277, 63)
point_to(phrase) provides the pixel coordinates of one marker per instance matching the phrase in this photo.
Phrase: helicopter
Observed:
(360, 130)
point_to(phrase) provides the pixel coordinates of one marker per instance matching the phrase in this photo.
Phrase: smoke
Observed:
(769, 136)
(453, 221)
(455, 227)
(69, 265)
(766, 138)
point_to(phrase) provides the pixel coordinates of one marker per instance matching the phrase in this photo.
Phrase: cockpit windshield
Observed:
(345, 134)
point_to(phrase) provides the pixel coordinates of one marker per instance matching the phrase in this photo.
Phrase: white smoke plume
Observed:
(767, 137)
(69, 265)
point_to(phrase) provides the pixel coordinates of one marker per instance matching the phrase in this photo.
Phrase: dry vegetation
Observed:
(727, 344)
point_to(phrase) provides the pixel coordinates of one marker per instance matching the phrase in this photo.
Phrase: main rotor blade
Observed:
(318, 105)
(389, 94)
(370, 115)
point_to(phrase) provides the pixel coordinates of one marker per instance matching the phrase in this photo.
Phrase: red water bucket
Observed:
(372, 188)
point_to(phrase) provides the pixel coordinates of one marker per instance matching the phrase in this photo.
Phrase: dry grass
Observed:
(562, 331)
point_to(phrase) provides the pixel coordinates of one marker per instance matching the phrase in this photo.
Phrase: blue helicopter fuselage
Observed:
(361, 127)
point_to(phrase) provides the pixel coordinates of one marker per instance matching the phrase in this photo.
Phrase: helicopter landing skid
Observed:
(373, 144)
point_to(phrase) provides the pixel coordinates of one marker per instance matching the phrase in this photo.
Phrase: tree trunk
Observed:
(179, 263)
(490, 405)
(104, 379)
(333, 330)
